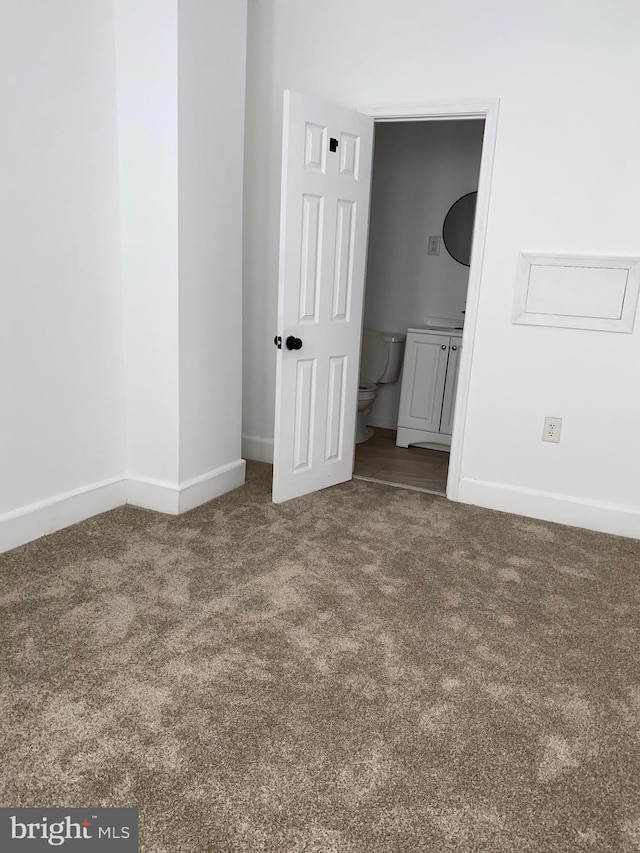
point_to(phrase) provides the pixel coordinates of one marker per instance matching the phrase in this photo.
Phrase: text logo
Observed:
(85, 830)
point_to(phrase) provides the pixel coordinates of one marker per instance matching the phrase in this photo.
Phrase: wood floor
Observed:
(414, 467)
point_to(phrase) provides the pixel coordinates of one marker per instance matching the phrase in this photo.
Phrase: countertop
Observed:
(443, 330)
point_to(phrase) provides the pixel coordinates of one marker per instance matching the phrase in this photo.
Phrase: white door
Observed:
(326, 179)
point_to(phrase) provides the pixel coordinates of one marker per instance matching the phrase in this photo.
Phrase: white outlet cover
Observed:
(551, 430)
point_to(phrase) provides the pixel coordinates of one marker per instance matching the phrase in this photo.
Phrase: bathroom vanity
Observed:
(428, 390)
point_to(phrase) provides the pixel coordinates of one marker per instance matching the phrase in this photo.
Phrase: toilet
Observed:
(380, 363)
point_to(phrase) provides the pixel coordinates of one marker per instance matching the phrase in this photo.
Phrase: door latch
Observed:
(278, 341)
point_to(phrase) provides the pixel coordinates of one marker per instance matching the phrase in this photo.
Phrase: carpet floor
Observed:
(363, 669)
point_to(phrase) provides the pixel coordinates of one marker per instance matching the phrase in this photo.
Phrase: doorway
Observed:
(326, 178)
(424, 174)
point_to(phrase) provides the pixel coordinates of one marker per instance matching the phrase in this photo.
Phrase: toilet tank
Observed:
(395, 345)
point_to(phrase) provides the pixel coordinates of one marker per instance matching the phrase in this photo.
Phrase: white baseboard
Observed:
(43, 517)
(201, 490)
(39, 519)
(383, 423)
(158, 495)
(563, 509)
(176, 498)
(258, 449)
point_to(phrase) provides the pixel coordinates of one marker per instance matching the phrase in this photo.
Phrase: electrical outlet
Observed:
(551, 431)
(434, 246)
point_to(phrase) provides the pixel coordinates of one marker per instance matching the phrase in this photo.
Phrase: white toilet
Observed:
(380, 363)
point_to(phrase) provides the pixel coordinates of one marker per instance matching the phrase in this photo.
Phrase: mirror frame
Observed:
(444, 229)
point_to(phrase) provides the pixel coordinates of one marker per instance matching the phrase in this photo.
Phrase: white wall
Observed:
(62, 402)
(121, 257)
(420, 169)
(211, 83)
(147, 61)
(565, 180)
(181, 77)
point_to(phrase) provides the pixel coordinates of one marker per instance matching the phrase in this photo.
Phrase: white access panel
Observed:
(579, 293)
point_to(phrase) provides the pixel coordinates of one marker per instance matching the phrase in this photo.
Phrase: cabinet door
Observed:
(423, 378)
(451, 384)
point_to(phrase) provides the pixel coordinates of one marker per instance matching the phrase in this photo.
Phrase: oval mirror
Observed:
(457, 230)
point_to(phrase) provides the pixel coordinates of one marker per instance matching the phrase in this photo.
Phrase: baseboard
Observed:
(258, 449)
(602, 516)
(383, 423)
(176, 498)
(158, 495)
(203, 489)
(39, 519)
(43, 517)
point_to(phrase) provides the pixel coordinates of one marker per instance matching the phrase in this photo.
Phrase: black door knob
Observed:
(293, 343)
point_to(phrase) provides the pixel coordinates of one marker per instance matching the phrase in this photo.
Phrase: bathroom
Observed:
(420, 170)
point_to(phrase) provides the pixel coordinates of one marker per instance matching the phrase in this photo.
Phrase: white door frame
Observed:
(486, 109)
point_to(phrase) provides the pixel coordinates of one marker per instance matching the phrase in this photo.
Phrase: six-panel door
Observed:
(323, 231)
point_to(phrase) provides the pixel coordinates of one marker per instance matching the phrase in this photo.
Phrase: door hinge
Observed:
(333, 144)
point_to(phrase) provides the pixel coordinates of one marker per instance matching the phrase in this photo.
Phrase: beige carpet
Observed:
(365, 669)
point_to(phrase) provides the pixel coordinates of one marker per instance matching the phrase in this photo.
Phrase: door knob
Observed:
(293, 343)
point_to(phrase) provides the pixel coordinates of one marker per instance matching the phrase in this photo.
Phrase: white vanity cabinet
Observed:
(428, 390)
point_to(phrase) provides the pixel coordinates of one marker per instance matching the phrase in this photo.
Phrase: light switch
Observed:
(434, 246)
